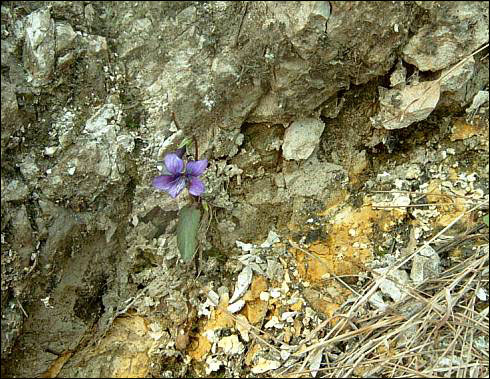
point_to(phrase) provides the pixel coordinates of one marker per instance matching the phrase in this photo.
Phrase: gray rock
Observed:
(94, 161)
(394, 284)
(313, 178)
(454, 80)
(29, 169)
(39, 47)
(102, 229)
(301, 138)
(15, 190)
(426, 264)
(480, 98)
(441, 43)
(9, 111)
(23, 242)
(65, 37)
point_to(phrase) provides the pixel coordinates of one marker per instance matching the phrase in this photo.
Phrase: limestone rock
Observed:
(65, 36)
(441, 43)
(9, 111)
(301, 138)
(39, 47)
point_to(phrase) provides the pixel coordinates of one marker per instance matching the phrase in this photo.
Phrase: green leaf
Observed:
(187, 229)
(485, 219)
(185, 142)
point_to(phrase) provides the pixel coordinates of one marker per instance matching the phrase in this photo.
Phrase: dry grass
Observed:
(440, 329)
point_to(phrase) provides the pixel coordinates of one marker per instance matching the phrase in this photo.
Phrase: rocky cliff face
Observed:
(281, 98)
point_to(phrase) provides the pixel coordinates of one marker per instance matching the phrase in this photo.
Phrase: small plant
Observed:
(178, 175)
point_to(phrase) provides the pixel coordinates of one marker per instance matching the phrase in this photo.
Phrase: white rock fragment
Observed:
(376, 300)
(264, 365)
(301, 138)
(393, 288)
(243, 327)
(395, 200)
(272, 238)
(275, 293)
(482, 294)
(50, 150)
(245, 246)
(480, 98)
(285, 355)
(288, 316)
(71, 171)
(135, 220)
(213, 297)
(156, 331)
(210, 335)
(45, 301)
(213, 364)
(243, 282)
(236, 306)
(231, 345)
(413, 172)
(274, 323)
(426, 264)
(265, 296)
(384, 176)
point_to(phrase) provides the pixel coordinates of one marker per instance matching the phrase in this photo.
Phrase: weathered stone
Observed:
(65, 36)
(97, 157)
(426, 265)
(301, 138)
(443, 43)
(29, 169)
(455, 79)
(399, 76)
(14, 191)
(313, 178)
(39, 47)
(9, 111)
(480, 98)
(23, 242)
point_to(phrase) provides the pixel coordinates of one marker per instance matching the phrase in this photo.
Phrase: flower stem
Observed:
(196, 148)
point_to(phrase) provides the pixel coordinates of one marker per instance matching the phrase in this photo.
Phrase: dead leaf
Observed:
(413, 103)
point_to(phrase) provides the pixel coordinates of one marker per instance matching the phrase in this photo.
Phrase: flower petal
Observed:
(196, 168)
(163, 182)
(173, 184)
(173, 163)
(177, 186)
(196, 187)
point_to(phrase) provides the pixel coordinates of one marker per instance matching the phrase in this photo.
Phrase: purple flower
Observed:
(176, 179)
